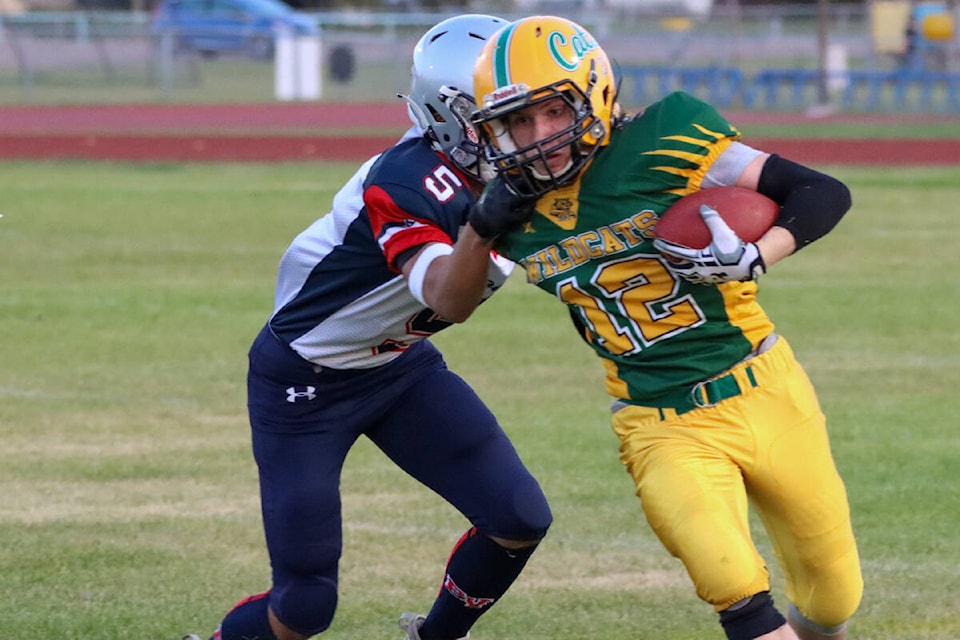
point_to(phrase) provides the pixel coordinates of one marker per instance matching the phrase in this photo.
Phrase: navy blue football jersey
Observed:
(341, 300)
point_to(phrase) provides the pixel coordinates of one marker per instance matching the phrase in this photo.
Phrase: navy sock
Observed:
(478, 573)
(247, 621)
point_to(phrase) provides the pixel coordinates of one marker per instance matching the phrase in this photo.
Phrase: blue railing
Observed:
(792, 89)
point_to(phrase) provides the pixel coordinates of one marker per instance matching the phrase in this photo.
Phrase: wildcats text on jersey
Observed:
(611, 239)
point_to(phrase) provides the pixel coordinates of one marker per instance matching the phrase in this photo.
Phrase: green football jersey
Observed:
(590, 244)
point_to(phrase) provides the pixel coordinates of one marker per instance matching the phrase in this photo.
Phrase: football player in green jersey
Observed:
(711, 408)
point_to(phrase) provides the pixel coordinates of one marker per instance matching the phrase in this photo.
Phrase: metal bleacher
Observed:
(794, 89)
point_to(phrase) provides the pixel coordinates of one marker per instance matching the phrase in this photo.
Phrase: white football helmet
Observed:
(441, 86)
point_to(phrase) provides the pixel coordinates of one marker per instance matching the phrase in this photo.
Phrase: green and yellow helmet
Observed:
(530, 61)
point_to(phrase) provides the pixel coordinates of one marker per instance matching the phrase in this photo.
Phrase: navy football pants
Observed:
(420, 414)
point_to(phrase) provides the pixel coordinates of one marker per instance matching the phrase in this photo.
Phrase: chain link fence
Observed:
(775, 58)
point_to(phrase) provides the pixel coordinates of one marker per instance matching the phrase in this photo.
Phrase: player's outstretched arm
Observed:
(451, 280)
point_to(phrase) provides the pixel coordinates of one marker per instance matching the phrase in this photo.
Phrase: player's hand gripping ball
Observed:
(748, 213)
(709, 236)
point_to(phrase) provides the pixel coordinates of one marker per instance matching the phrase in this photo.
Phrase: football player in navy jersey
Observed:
(345, 354)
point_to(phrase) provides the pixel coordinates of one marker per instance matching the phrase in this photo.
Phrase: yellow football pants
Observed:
(695, 472)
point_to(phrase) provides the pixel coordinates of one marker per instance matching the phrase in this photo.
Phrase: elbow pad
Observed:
(811, 203)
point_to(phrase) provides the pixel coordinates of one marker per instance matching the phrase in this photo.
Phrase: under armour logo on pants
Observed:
(307, 393)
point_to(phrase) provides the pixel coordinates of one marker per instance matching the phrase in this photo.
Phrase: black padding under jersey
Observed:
(811, 203)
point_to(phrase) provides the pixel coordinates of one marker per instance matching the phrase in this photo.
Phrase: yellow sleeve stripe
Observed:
(713, 134)
(695, 158)
(677, 171)
(708, 149)
(699, 142)
(713, 152)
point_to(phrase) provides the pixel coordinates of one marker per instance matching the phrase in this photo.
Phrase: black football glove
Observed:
(499, 210)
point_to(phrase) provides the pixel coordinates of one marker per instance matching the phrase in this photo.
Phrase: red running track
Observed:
(310, 132)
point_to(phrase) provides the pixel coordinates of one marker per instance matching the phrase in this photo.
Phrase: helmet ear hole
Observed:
(436, 115)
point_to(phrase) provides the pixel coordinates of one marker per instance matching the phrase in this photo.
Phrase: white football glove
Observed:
(727, 257)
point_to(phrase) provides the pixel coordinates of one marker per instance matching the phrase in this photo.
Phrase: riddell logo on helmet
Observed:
(505, 93)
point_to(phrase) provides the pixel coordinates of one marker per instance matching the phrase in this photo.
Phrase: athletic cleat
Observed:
(410, 624)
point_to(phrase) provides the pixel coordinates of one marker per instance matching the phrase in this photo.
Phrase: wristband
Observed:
(418, 272)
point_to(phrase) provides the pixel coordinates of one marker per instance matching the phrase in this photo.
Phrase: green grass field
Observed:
(129, 510)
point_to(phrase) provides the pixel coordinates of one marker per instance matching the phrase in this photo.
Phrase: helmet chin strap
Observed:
(547, 178)
(555, 177)
(486, 171)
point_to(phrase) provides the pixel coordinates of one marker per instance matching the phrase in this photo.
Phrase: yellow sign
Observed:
(937, 27)
(889, 20)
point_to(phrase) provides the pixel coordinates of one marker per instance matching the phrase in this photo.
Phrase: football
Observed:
(746, 211)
